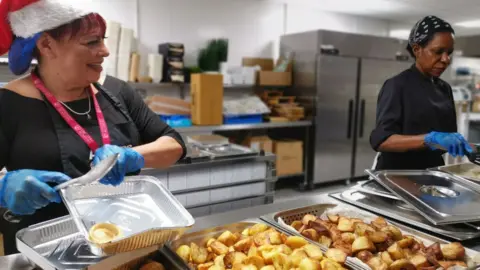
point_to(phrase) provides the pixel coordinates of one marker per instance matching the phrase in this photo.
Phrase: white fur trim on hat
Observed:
(44, 15)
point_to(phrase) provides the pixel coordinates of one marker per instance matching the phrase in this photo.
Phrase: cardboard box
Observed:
(264, 63)
(259, 143)
(289, 157)
(207, 99)
(272, 78)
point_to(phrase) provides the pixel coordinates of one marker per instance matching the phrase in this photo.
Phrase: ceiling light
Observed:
(400, 33)
(469, 24)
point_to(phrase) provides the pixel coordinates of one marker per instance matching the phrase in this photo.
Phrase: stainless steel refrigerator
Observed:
(342, 91)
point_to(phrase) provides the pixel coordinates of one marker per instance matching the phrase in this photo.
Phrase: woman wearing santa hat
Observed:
(56, 120)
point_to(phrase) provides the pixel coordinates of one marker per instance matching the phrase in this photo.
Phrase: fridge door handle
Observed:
(349, 123)
(362, 118)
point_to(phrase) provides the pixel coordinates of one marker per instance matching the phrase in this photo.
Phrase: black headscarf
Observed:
(424, 30)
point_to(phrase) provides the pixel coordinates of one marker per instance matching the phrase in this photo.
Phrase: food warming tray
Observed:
(144, 210)
(201, 237)
(228, 151)
(402, 212)
(460, 170)
(440, 197)
(373, 188)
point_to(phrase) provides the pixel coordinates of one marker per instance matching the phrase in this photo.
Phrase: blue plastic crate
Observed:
(177, 120)
(243, 119)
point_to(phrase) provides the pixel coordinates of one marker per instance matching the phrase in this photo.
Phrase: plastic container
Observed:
(243, 119)
(177, 120)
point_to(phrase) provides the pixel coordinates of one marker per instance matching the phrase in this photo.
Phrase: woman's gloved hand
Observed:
(129, 161)
(25, 191)
(454, 143)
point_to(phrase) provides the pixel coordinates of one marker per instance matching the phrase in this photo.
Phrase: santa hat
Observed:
(25, 19)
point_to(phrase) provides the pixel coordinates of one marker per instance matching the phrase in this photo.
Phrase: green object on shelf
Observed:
(209, 58)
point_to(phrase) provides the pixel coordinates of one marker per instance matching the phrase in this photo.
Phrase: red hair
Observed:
(92, 22)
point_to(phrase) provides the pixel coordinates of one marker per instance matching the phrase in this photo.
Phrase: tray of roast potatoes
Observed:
(252, 245)
(345, 234)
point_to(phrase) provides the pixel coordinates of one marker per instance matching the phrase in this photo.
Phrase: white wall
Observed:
(301, 19)
(253, 27)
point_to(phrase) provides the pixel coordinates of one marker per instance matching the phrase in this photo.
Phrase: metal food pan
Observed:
(144, 210)
(317, 210)
(291, 215)
(400, 211)
(201, 237)
(373, 188)
(459, 170)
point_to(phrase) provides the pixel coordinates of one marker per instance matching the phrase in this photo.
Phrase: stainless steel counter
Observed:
(20, 262)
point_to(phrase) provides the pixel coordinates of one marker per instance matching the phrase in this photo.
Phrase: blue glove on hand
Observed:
(129, 161)
(454, 143)
(25, 191)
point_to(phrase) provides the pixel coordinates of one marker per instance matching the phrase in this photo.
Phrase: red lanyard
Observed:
(92, 144)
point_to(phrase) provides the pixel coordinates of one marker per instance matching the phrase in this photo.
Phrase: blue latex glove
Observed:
(454, 143)
(25, 191)
(129, 161)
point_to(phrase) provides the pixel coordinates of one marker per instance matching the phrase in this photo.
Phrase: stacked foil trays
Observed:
(144, 210)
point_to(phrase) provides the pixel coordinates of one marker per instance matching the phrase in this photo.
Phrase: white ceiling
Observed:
(404, 11)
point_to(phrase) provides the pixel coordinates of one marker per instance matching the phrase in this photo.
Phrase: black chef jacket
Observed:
(413, 104)
(34, 136)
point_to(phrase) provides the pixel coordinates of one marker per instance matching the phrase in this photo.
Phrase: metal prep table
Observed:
(18, 261)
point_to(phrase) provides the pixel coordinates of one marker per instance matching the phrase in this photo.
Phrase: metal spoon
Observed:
(95, 174)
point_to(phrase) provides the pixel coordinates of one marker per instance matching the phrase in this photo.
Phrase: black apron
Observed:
(123, 132)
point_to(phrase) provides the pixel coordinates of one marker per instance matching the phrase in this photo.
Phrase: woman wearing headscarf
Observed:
(56, 121)
(416, 117)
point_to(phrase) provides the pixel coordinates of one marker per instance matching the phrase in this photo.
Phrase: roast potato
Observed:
(348, 237)
(386, 258)
(364, 256)
(216, 267)
(379, 223)
(261, 238)
(275, 237)
(219, 261)
(396, 252)
(257, 228)
(393, 231)
(336, 255)
(362, 228)
(219, 248)
(377, 237)
(406, 242)
(255, 260)
(281, 261)
(297, 224)
(448, 264)
(227, 238)
(435, 250)
(268, 267)
(152, 265)
(362, 243)
(297, 256)
(377, 264)
(233, 258)
(333, 218)
(402, 264)
(198, 254)
(346, 247)
(309, 264)
(328, 264)
(307, 218)
(419, 261)
(183, 252)
(313, 252)
(310, 234)
(335, 234)
(325, 241)
(345, 225)
(319, 227)
(205, 266)
(244, 244)
(453, 251)
(295, 242)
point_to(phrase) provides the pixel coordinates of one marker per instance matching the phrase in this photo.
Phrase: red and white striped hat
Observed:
(25, 18)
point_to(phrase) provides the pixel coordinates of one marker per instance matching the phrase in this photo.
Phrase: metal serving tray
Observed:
(201, 237)
(373, 188)
(57, 244)
(228, 151)
(289, 216)
(440, 197)
(144, 210)
(458, 169)
(317, 210)
(403, 212)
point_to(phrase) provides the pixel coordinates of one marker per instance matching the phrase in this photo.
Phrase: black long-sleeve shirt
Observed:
(413, 104)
